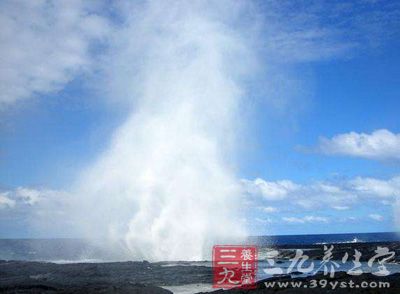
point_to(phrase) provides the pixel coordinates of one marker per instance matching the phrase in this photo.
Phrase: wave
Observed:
(355, 240)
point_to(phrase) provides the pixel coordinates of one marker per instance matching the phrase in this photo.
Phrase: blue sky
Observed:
(339, 79)
(357, 94)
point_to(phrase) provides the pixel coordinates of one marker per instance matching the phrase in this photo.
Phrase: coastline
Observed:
(146, 277)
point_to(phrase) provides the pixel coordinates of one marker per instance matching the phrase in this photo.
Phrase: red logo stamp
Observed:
(234, 266)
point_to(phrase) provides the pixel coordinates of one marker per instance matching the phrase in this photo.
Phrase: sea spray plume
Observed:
(166, 182)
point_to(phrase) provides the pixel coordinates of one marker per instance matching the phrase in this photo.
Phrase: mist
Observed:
(166, 186)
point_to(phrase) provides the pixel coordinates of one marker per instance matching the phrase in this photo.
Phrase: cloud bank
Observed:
(44, 45)
(379, 145)
(6, 201)
(376, 217)
(305, 219)
(339, 195)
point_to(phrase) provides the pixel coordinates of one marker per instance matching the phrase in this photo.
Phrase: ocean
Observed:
(326, 238)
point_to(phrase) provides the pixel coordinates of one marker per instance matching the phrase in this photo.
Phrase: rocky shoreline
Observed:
(145, 277)
(141, 277)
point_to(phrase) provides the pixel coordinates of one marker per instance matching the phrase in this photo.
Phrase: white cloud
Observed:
(270, 190)
(43, 45)
(29, 196)
(339, 195)
(349, 219)
(376, 217)
(328, 196)
(269, 209)
(306, 219)
(376, 187)
(380, 145)
(264, 220)
(341, 207)
(292, 220)
(5, 201)
(45, 212)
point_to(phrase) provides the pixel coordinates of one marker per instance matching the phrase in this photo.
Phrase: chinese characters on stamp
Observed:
(302, 264)
(234, 266)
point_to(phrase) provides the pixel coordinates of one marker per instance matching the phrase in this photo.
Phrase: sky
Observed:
(317, 132)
